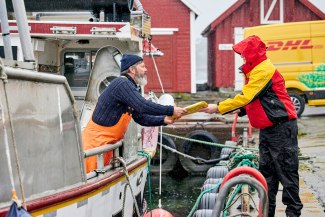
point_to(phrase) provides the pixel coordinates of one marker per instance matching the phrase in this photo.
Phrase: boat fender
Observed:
(208, 201)
(226, 152)
(210, 186)
(203, 213)
(212, 181)
(158, 213)
(169, 158)
(217, 172)
(198, 150)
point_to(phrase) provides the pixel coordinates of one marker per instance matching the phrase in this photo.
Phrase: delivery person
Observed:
(268, 106)
(120, 102)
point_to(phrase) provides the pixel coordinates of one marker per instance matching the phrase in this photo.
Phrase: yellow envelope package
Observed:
(194, 108)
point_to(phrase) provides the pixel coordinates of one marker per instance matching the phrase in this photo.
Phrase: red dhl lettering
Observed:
(289, 45)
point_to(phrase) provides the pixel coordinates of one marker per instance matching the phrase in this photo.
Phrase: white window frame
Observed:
(265, 17)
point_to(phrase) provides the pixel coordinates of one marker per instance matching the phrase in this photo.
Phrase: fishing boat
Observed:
(41, 157)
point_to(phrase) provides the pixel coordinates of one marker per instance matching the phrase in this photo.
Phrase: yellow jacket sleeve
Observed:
(259, 78)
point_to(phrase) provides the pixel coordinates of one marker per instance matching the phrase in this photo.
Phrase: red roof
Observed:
(239, 3)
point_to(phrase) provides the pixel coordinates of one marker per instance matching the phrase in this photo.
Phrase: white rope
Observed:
(154, 63)
(160, 169)
(14, 145)
(161, 132)
(7, 148)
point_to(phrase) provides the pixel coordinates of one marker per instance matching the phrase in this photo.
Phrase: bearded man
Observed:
(120, 102)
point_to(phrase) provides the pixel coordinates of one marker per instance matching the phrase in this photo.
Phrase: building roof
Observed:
(191, 6)
(239, 3)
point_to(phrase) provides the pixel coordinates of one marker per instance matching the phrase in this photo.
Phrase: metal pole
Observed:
(24, 34)
(5, 30)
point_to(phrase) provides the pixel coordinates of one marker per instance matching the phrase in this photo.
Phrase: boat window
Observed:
(77, 67)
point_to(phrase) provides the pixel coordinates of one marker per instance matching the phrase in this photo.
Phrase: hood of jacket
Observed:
(253, 50)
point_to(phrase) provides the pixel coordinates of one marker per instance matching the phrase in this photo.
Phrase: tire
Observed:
(210, 186)
(203, 213)
(217, 172)
(212, 181)
(226, 151)
(169, 158)
(208, 201)
(198, 150)
(298, 102)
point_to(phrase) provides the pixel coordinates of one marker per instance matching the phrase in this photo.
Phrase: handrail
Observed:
(243, 179)
(102, 149)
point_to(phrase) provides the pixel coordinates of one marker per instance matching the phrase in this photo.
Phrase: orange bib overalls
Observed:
(95, 135)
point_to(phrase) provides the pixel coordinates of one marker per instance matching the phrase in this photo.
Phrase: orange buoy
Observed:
(158, 213)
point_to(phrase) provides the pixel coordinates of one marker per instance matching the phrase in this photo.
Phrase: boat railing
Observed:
(99, 153)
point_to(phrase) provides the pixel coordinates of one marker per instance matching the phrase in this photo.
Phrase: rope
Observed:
(242, 158)
(5, 81)
(154, 63)
(160, 169)
(210, 143)
(229, 202)
(147, 155)
(199, 160)
(128, 184)
(243, 194)
(200, 197)
(7, 149)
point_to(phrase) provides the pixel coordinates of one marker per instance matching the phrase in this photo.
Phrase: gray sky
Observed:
(211, 9)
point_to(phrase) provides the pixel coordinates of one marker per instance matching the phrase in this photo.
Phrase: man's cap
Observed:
(129, 60)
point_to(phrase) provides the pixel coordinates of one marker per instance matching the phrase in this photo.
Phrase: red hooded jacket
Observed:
(264, 96)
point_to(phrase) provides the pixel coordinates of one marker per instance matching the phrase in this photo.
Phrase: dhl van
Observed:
(298, 51)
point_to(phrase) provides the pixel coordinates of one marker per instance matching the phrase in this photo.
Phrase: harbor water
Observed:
(178, 195)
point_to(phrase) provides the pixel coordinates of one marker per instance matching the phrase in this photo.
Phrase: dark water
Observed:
(178, 195)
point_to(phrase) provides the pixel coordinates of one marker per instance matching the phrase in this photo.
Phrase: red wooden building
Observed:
(172, 23)
(227, 30)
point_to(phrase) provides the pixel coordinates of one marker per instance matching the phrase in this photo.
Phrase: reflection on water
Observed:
(178, 196)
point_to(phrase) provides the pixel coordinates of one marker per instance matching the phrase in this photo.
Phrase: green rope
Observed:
(200, 197)
(147, 155)
(210, 143)
(233, 195)
(244, 160)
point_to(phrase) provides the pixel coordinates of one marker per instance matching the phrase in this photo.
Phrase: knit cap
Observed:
(129, 60)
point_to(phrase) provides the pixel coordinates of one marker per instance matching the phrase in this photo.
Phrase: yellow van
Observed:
(298, 51)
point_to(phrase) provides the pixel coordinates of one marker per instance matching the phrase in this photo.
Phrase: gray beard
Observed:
(141, 79)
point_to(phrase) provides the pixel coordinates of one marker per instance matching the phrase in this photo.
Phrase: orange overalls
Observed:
(95, 135)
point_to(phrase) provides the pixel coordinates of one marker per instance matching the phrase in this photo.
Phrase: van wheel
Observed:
(299, 103)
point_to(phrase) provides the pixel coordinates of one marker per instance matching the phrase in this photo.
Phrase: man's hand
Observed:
(178, 111)
(169, 120)
(212, 108)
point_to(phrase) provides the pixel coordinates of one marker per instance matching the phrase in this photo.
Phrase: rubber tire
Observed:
(203, 213)
(209, 186)
(298, 102)
(226, 151)
(200, 150)
(217, 172)
(208, 201)
(212, 181)
(169, 158)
